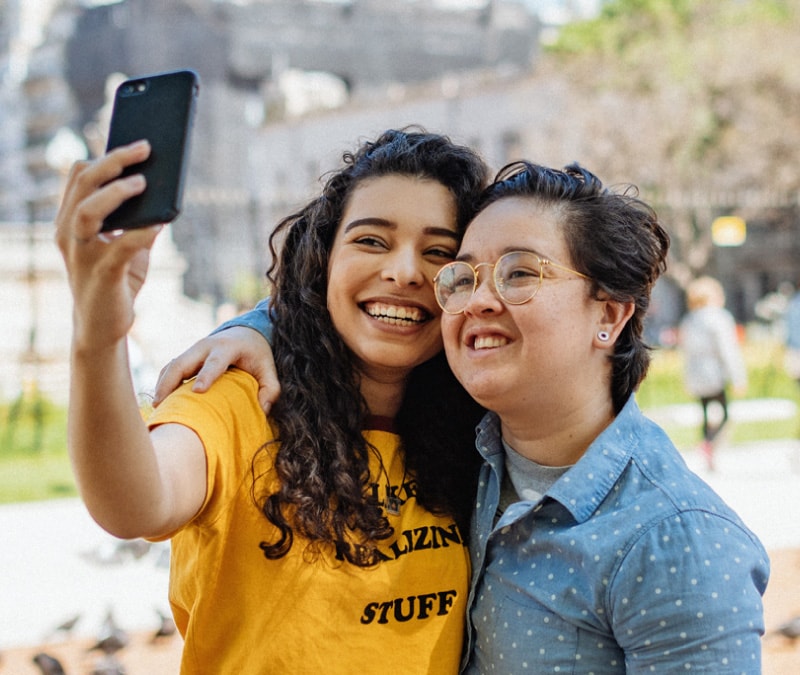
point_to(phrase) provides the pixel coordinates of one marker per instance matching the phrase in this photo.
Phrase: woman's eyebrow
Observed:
(467, 257)
(382, 222)
(443, 232)
(361, 222)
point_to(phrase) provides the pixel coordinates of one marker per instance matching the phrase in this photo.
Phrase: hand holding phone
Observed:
(159, 108)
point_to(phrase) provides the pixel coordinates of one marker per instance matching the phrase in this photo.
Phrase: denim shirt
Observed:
(630, 563)
(258, 319)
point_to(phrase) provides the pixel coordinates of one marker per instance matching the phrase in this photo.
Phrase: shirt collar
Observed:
(583, 488)
(380, 423)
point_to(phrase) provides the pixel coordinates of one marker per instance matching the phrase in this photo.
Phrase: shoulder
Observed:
(659, 485)
(232, 428)
(230, 404)
(681, 520)
(234, 383)
(692, 578)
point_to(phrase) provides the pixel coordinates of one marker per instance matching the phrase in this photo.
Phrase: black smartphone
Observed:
(161, 109)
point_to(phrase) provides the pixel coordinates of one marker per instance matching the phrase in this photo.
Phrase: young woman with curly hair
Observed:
(327, 537)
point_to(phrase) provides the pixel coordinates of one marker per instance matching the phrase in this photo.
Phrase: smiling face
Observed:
(533, 358)
(394, 235)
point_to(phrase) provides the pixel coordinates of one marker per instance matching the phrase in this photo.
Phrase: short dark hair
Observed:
(613, 237)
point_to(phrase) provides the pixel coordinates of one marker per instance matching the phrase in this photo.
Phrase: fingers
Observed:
(92, 193)
(267, 395)
(169, 379)
(212, 356)
(110, 259)
(105, 279)
(214, 366)
(182, 368)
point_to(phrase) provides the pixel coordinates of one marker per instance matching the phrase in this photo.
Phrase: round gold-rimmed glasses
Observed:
(517, 276)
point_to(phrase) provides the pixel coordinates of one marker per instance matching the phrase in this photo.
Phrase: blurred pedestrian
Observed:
(791, 359)
(792, 319)
(712, 356)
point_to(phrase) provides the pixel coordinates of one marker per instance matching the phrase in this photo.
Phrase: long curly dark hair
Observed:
(320, 455)
(613, 237)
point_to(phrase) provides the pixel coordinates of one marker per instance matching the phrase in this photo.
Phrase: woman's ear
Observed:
(613, 317)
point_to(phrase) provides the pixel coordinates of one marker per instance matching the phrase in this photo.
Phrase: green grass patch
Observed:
(34, 464)
(766, 379)
(35, 478)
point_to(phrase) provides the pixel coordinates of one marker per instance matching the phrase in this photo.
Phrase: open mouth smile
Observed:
(396, 315)
(489, 342)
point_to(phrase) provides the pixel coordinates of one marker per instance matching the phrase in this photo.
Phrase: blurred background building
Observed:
(288, 85)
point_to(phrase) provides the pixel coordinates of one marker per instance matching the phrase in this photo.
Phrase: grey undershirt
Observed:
(524, 479)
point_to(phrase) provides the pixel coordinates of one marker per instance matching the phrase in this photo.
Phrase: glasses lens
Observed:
(518, 276)
(454, 285)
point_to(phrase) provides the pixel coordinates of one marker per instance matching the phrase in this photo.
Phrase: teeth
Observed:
(395, 315)
(489, 342)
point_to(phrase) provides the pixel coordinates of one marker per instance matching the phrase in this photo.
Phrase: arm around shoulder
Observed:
(242, 342)
(257, 319)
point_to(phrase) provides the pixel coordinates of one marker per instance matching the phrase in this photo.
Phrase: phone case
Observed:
(159, 108)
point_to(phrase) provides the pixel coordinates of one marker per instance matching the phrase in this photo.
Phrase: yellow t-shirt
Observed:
(241, 613)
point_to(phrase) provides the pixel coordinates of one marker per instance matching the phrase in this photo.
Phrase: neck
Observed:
(557, 440)
(383, 396)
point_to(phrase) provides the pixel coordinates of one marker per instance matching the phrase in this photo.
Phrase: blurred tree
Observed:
(696, 99)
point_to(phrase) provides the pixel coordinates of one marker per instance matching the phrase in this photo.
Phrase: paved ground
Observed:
(56, 563)
(761, 481)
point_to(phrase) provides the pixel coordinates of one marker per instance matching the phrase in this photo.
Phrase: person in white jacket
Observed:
(712, 356)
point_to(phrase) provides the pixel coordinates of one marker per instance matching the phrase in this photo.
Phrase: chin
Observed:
(483, 390)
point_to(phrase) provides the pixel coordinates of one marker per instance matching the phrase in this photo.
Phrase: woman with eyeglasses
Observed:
(594, 548)
(328, 537)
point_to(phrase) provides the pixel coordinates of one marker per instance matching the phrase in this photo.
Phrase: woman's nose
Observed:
(405, 269)
(485, 297)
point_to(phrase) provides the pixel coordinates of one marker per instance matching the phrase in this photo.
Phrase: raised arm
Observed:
(134, 483)
(241, 342)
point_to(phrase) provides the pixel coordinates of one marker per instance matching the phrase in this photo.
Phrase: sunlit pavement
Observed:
(56, 563)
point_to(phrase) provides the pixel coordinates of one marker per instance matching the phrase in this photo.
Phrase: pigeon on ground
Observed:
(166, 628)
(111, 638)
(48, 665)
(789, 630)
(133, 548)
(108, 665)
(65, 627)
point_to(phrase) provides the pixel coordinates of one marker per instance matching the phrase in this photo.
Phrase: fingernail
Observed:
(136, 181)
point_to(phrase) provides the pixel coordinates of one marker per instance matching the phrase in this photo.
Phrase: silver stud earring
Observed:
(603, 335)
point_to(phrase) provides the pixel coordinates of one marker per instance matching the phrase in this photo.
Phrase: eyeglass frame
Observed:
(475, 280)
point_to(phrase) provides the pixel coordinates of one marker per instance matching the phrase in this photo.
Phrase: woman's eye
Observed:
(370, 241)
(521, 272)
(520, 276)
(463, 281)
(442, 253)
